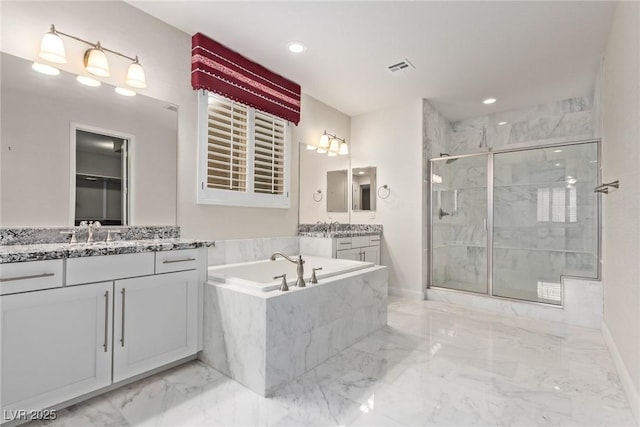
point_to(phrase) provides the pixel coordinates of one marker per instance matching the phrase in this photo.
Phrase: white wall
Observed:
(621, 225)
(164, 52)
(391, 140)
(317, 117)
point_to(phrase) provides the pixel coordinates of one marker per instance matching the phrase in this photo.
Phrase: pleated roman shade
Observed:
(218, 69)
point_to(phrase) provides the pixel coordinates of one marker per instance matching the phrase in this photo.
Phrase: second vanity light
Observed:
(331, 144)
(95, 60)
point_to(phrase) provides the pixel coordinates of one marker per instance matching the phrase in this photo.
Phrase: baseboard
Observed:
(627, 383)
(405, 293)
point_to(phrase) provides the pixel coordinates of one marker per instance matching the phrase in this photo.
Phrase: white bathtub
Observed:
(258, 275)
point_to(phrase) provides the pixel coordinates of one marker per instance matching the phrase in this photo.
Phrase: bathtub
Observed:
(258, 275)
(264, 339)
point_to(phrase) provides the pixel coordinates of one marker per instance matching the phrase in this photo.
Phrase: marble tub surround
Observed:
(247, 250)
(265, 340)
(434, 364)
(43, 235)
(339, 230)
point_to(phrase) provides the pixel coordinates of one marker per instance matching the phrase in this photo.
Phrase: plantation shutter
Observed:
(226, 145)
(269, 154)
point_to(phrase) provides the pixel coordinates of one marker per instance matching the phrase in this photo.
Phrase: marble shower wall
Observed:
(562, 121)
(524, 245)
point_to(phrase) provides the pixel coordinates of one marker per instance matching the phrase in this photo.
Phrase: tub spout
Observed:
(299, 262)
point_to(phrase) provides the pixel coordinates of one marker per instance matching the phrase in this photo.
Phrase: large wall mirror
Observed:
(324, 187)
(73, 152)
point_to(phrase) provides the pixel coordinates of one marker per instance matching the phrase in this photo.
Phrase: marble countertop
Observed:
(339, 233)
(47, 251)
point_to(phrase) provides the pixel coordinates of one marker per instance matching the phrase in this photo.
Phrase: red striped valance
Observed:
(217, 68)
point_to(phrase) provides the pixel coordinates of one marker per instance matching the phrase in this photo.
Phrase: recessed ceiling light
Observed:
(489, 101)
(125, 92)
(45, 69)
(557, 151)
(296, 47)
(88, 81)
(502, 123)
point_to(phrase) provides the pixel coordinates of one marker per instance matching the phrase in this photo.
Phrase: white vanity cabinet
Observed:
(155, 321)
(109, 318)
(356, 248)
(56, 345)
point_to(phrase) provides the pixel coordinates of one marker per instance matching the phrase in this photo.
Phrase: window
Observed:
(244, 155)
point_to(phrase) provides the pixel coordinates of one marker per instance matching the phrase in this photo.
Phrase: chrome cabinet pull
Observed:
(171, 261)
(122, 331)
(106, 320)
(32, 276)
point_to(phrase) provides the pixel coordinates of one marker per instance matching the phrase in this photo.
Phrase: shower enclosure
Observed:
(512, 223)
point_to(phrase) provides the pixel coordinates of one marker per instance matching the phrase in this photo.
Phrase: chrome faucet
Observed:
(299, 262)
(91, 225)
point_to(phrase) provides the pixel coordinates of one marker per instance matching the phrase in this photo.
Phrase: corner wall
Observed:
(621, 208)
(391, 140)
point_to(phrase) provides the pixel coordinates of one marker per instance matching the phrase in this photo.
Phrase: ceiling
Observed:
(522, 53)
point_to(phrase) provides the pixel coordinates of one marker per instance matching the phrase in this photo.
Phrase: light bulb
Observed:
(324, 141)
(135, 75)
(95, 61)
(52, 48)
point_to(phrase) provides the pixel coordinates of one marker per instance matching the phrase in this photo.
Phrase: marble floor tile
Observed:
(433, 365)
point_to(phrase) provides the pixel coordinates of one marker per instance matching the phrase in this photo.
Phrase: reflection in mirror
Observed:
(364, 189)
(337, 191)
(38, 170)
(101, 178)
(314, 168)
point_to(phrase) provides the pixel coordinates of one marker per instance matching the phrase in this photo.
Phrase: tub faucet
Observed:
(299, 262)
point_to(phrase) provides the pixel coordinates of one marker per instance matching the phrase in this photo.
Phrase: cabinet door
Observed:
(56, 345)
(372, 254)
(352, 254)
(155, 321)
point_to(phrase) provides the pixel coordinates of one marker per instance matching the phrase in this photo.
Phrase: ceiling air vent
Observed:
(402, 65)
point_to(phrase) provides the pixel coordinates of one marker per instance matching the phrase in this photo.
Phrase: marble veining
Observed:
(433, 365)
(339, 230)
(42, 235)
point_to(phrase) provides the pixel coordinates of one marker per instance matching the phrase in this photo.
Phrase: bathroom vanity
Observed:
(83, 318)
(357, 242)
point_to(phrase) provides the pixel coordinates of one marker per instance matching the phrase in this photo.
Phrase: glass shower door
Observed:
(545, 220)
(459, 223)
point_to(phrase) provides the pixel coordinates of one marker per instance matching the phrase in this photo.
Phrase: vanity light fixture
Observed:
(332, 144)
(95, 58)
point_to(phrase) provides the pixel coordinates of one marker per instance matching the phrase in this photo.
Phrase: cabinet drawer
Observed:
(30, 276)
(359, 241)
(343, 243)
(108, 267)
(168, 261)
(374, 240)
